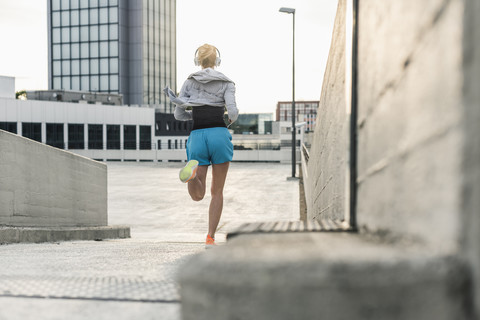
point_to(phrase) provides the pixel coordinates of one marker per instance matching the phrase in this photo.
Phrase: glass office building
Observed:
(114, 46)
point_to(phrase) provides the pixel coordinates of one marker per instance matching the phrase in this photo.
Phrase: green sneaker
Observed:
(189, 171)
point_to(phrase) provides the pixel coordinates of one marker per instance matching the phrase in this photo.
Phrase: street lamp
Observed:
(292, 11)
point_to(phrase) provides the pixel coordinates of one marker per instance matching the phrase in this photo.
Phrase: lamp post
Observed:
(294, 149)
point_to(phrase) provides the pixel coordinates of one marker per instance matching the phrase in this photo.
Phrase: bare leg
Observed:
(219, 174)
(196, 187)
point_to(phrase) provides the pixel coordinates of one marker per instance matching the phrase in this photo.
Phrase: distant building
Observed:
(306, 111)
(7, 87)
(76, 97)
(253, 123)
(114, 46)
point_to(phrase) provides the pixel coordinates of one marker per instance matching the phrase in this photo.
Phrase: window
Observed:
(55, 135)
(66, 67)
(75, 34)
(76, 83)
(55, 19)
(159, 142)
(32, 131)
(76, 136)
(113, 32)
(65, 18)
(75, 51)
(113, 13)
(65, 51)
(93, 16)
(56, 51)
(104, 49)
(104, 15)
(83, 33)
(9, 126)
(93, 33)
(84, 51)
(65, 34)
(94, 83)
(103, 83)
(95, 136)
(56, 35)
(84, 16)
(57, 83)
(129, 137)
(55, 4)
(104, 32)
(94, 49)
(113, 48)
(74, 18)
(57, 66)
(145, 137)
(103, 66)
(75, 67)
(113, 83)
(65, 4)
(114, 65)
(85, 83)
(66, 83)
(84, 67)
(113, 137)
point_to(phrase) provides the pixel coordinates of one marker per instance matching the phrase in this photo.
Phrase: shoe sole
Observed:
(189, 171)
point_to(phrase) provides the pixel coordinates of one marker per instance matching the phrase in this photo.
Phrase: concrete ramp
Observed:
(44, 187)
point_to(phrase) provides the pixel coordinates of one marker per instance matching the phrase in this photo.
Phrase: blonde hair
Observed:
(207, 54)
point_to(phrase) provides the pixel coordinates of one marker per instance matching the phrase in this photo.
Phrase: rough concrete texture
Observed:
(471, 146)
(136, 278)
(325, 184)
(162, 208)
(320, 275)
(37, 235)
(410, 134)
(41, 186)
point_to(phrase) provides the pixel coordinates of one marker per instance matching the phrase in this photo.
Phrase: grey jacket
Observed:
(205, 87)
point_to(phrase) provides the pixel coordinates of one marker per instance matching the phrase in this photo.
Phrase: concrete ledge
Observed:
(37, 235)
(323, 276)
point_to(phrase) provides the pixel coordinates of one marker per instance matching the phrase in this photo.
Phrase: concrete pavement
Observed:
(136, 278)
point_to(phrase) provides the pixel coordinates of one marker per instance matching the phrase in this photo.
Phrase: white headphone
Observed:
(218, 60)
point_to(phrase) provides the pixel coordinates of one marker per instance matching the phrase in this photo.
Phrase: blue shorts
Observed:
(210, 146)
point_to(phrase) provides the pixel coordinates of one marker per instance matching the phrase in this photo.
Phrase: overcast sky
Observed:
(255, 41)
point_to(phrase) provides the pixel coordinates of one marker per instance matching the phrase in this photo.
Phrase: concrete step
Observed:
(323, 276)
(56, 234)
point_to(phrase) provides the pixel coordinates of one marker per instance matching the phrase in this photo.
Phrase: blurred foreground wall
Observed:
(418, 126)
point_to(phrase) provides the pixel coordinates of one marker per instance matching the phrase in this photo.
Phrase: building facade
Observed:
(306, 111)
(114, 46)
(253, 123)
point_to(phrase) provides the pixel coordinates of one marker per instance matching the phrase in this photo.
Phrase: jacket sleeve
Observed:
(230, 102)
(180, 113)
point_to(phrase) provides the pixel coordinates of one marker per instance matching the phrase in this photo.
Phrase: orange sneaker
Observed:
(210, 242)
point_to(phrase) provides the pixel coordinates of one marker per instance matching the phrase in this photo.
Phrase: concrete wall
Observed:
(418, 125)
(410, 124)
(42, 186)
(470, 201)
(326, 171)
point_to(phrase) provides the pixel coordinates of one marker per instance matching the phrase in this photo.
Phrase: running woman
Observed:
(206, 93)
